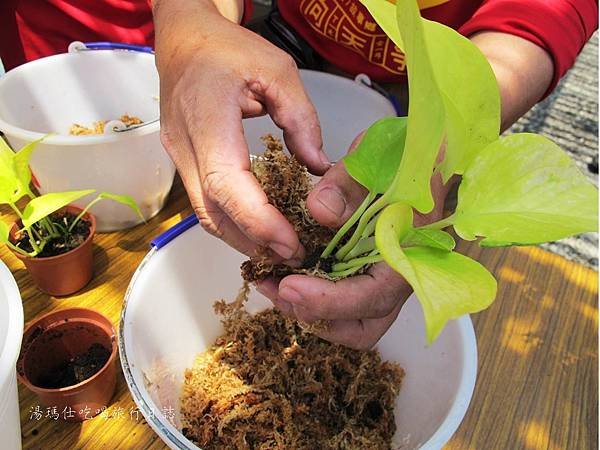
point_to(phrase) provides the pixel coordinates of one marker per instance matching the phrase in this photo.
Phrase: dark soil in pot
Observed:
(66, 264)
(62, 244)
(68, 360)
(77, 369)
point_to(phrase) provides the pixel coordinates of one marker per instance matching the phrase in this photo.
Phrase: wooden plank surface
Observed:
(537, 384)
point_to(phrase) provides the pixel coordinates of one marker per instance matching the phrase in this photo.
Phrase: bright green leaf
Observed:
(471, 95)
(393, 225)
(426, 114)
(384, 13)
(447, 284)
(375, 161)
(4, 231)
(42, 206)
(124, 199)
(421, 237)
(21, 168)
(523, 189)
(8, 182)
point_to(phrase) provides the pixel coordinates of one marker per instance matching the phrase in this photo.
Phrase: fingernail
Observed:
(332, 200)
(282, 250)
(289, 295)
(324, 159)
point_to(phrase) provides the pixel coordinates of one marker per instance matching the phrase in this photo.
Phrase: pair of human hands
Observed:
(225, 73)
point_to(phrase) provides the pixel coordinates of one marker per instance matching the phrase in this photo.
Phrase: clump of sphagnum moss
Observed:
(287, 184)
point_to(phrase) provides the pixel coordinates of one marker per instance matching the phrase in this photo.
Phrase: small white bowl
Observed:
(168, 319)
(50, 94)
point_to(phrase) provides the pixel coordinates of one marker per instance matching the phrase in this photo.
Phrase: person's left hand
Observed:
(360, 308)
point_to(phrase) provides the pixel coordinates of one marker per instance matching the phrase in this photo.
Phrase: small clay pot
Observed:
(62, 274)
(53, 340)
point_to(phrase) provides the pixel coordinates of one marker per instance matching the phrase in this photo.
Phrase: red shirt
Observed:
(342, 31)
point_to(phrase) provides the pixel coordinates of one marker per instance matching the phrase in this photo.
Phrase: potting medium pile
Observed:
(98, 126)
(268, 384)
(287, 184)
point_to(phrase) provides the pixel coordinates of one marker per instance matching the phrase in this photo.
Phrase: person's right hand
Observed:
(213, 73)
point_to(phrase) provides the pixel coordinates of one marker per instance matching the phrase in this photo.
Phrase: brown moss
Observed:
(98, 126)
(268, 384)
(287, 184)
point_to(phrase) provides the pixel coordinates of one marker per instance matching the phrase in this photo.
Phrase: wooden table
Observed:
(537, 385)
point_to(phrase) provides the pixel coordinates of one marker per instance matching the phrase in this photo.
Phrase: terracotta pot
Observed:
(63, 274)
(54, 339)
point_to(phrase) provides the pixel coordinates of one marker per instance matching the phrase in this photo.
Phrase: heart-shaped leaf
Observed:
(447, 284)
(523, 189)
(421, 237)
(124, 199)
(46, 204)
(375, 160)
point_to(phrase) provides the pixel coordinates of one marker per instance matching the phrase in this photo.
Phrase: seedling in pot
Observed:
(48, 226)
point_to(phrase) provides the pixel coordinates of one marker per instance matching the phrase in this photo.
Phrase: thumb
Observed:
(337, 195)
(292, 111)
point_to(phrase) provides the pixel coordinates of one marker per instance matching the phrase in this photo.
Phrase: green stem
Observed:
(349, 223)
(344, 273)
(16, 210)
(49, 225)
(82, 213)
(34, 246)
(370, 228)
(19, 249)
(381, 203)
(365, 245)
(440, 224)
(357, 262)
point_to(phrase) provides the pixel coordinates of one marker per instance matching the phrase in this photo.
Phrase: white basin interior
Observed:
(168, 319)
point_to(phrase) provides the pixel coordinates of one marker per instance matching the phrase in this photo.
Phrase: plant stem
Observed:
(344, 273)
(439, 224)
(34, 246)
(381, 203)
(370, 228)
(19, 249)
(357, 262)
(82, 213)
(16, 210)
(49, 225)
(349, 223)
(365, 245)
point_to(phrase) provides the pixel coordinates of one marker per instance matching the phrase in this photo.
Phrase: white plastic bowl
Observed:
(168, 319)
(50, 94)
(11, 333)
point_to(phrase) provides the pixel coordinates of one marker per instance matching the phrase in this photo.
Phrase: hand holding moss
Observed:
(214, 73)
(359, 309)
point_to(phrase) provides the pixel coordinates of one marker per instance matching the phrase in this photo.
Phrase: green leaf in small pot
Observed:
(125, 200)
(523, 189)
(21, 166)
(8, 180)
(4, 232)
(375, 160)
(447, 284)
(46, 204)
(420, 237)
